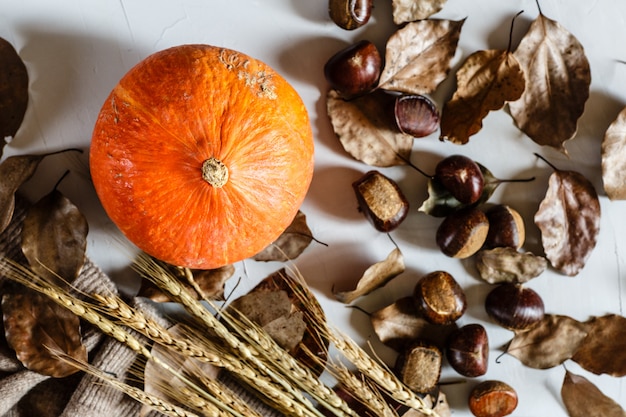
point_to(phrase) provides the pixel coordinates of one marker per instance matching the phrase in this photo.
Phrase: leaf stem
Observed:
(415, 167)
(508, 48)
(546, 161)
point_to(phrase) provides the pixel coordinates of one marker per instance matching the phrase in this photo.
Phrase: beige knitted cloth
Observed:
(24, 393)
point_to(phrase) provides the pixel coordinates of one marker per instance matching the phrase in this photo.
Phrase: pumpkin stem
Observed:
(214, 172)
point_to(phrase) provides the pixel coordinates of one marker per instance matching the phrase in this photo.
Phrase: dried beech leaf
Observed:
(14, 171)
(557, 83)
(583, 399)
(287, 331)
(367, 130)
(418, 56)
(486, 81)
(13, 91)
(549, 343)
(33, 324)
(614, 158)
(54, 237)
(604, 349)
(375, 277)
(405, 11)
(509, 265)
(400, 323)
(263, 307)
(569, 220)
(313, 344)
(290, 244)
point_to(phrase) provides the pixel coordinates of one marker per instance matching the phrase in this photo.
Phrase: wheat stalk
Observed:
(84, 310)
(151, 270)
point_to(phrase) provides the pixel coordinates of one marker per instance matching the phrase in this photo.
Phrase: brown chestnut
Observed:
(350, 14)
(506, 228)
(419, 366)
(354, 70)
(492, 399)
(468, 350)
(440, 298)
(462, 233)
(462, 177)
(514, 306)
(381, 200)
(416, 115)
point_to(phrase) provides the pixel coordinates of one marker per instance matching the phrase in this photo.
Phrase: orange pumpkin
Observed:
(202, 155)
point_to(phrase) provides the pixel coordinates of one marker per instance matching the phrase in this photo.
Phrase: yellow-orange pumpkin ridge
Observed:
(202, 155)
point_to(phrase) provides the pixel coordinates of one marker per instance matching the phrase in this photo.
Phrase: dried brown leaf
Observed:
(263, 307)
(604, 349)
(404, 11)
(614, 158)
(34, 324)
(13, 91)
(14, 171)
(486, 81)
(366, 129)
(400, 323)
(549, 343)
(507, 264)
(54, 237)
(375, 276)
(583, 399)
(290, 244)
(557, 83)
(418, 56)
(287, 331)
(569, 220)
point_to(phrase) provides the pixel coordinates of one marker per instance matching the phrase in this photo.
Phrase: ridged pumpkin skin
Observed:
(179, 108)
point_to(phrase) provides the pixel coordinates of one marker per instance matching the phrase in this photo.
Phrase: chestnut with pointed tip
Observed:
(506, 228)
(468, 350)
(440, 298)
(462, 177)
(462, 233)
(354, 71)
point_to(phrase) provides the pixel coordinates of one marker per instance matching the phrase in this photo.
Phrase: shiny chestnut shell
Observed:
(462, 177)
(462, 233)
(354, 71)
(506, 228)
(440, 298)
(492, 398)
(514, 306)
(468, 350)
(416, 115)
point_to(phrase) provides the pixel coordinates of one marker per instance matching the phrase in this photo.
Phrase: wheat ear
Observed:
(149, 269)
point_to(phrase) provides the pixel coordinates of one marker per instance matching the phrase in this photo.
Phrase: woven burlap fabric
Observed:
(24, 393)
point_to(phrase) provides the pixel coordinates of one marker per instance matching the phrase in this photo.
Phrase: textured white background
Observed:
(75, 51)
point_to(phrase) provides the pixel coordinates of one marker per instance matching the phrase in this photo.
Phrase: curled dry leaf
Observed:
(569, 220)
(549, 343)
(290, 244)
(13, 91)
(614, 158)
(366, 129)
(399, 323)
(54, 238)
(14, 171)
(209, 284)
(486, 81)
(507, 264)
(557, 83)
(418, 56)
(34, 324)
(404, 11)
(583, 399)
(375, 277)
(604, 349)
